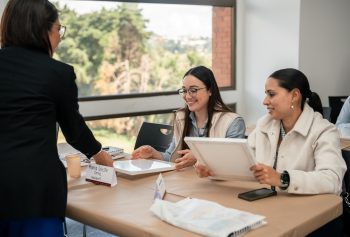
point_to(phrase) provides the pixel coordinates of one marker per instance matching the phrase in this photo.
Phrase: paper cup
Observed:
(73, 165)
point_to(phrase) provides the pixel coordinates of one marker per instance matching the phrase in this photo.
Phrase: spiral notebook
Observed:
(206, 218)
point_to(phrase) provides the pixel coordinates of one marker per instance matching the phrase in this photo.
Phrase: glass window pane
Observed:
(121, 132)
(122, 48)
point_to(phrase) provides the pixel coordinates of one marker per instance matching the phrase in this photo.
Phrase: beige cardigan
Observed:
(310, 152)
(219, 125)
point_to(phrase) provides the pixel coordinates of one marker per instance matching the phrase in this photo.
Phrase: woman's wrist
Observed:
(99, 152)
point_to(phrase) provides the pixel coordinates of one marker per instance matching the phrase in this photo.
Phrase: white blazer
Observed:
(310, 152)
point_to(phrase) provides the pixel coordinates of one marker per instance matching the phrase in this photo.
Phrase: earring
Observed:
(292, 106)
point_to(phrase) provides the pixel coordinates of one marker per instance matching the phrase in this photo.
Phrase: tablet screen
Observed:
(142, 166)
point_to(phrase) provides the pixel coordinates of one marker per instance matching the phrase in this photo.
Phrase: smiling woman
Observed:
(204, 115)
(298, 150)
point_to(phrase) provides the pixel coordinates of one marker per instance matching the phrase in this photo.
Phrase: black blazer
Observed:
(35, 92)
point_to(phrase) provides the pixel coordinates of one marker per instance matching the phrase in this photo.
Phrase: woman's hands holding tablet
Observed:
(202, 170)
(266, 174)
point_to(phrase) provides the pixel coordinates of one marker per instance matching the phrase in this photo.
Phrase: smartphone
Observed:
(113, 151)
(257, 194)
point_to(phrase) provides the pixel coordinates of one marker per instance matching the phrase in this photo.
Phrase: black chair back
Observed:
(327, 113)
(336, 103)
(346, 186)
(159, 136)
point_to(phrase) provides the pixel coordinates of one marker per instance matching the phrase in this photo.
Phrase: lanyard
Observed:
(282, 135)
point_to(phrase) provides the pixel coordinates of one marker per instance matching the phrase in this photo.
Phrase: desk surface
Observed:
(124, 209)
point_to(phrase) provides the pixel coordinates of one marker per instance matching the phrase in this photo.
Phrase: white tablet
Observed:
(142, 166)
(228, 158)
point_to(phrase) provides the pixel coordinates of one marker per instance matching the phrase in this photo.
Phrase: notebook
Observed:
(206, 218)
(228, 158)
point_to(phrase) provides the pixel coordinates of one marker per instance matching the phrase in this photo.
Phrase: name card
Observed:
(160, 188)
(100, 174)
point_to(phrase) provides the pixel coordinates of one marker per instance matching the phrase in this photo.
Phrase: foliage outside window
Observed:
(113, 51)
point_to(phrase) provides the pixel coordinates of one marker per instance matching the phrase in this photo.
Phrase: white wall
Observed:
(268, 39)
(325, 46)
(2, 6)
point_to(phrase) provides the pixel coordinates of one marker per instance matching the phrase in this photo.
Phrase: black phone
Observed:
(257, 194)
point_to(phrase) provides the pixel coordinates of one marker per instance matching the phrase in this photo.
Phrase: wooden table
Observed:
(124, 209)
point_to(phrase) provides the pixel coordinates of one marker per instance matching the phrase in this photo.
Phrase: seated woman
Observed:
(204, 115)
(343, 120)
(297, 150)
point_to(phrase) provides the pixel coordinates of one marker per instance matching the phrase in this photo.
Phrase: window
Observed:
(126, 48)
(130, 57)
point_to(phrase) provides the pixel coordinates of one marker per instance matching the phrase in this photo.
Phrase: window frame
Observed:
(87, 101)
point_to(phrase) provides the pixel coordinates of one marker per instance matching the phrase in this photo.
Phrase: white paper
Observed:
(160, 188)
(205, 217)
(101, 174)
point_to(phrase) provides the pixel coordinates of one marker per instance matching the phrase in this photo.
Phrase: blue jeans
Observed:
(35, 227)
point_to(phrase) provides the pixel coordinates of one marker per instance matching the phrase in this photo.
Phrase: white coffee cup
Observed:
(73, 165)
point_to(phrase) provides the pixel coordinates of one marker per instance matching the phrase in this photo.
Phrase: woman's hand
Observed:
(202, 170)
(146, 152)
(103, 158)
(266, 174)
(186, 160)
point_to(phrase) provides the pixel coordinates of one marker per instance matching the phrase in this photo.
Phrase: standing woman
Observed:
(36, 91)
(205, 115)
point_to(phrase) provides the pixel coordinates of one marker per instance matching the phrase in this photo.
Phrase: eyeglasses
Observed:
(191, 91)
(61, 30)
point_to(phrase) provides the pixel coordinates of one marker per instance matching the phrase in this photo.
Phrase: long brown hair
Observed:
(26, 23)
(215, 103)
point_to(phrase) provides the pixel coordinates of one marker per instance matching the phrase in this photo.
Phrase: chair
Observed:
(339, 226)
(327, 113)
(346, 209)
(159, 136)
(336, 103)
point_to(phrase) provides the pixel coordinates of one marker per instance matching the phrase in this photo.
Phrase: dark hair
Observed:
(215, 102)
(290, 79)
(26, 23)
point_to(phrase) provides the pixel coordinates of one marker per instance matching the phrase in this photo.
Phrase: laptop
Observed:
(228, 158)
